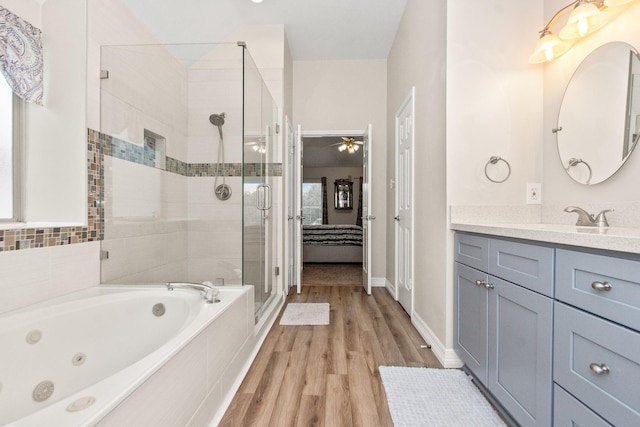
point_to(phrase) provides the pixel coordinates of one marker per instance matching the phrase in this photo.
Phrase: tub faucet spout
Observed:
(210, 293)
(584, 217)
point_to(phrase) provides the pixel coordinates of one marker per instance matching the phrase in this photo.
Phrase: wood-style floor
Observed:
(328, 375)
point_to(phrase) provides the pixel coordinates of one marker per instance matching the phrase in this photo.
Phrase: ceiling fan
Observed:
(348, 143)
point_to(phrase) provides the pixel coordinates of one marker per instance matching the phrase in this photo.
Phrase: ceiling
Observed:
(316, 29)
(320, 152)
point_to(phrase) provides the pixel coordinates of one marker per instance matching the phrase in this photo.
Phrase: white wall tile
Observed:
(30, 276)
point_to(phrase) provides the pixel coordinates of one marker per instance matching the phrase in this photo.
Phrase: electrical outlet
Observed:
(534, 194)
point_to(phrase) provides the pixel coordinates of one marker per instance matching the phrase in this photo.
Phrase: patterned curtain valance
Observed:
(21, 56)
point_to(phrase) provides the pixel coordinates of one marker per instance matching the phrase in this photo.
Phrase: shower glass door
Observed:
(261, 178)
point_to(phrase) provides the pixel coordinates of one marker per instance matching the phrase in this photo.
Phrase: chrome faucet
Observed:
(586, 219)
(210, 293)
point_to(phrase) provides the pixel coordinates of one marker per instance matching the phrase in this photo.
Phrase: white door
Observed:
(298, 153)
(292, 225)
(404, 202)
(367, 216)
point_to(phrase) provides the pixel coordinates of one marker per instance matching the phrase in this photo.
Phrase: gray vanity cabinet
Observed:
(503, 331)
(597, 334)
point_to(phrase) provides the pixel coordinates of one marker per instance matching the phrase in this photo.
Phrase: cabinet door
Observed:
(520, 351)
(471, 319)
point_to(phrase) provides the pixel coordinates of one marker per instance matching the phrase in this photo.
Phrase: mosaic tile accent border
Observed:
(98, 146)
(128, 151)
(17, 239)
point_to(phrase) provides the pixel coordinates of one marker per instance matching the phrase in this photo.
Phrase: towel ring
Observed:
(493, 160)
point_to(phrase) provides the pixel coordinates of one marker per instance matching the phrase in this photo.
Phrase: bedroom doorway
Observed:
(329, 207)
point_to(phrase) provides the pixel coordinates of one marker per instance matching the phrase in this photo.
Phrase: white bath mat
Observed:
(306, 314)
(435, 397)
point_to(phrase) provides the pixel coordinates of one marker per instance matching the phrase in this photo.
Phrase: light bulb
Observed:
(583, 27)
(548, 53)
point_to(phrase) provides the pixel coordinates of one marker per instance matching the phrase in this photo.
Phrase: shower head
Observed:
(217, 119)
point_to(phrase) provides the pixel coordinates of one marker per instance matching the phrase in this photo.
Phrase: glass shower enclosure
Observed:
(188, 141)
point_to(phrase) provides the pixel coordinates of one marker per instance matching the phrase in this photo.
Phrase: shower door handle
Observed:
(263, 197)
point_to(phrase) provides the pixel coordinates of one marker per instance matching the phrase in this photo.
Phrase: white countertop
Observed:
(610, 238)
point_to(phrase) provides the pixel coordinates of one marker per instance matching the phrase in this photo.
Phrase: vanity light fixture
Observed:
(586, 17)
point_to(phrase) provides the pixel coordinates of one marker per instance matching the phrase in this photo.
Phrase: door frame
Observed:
(289, 242)
(296, 181)
(411, 101)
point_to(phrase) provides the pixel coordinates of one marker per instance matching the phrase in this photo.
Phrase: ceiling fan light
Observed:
(355, 148)
(342, 147)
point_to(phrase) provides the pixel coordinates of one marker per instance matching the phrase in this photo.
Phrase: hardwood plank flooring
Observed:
(328, 375)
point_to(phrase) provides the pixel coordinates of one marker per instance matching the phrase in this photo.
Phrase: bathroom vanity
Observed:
(547, 319)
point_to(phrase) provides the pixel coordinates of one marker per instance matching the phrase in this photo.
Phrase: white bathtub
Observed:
(95, 348)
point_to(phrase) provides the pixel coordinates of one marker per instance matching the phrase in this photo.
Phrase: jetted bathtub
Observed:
(71, 361)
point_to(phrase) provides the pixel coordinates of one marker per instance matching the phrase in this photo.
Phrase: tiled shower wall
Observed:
(167, 224)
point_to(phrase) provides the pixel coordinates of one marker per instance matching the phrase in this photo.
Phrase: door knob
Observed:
(397, 217)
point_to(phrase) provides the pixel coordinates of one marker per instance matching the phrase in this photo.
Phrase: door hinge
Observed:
(277, 271)
(277, 128)
(104, 255)
(104, 74)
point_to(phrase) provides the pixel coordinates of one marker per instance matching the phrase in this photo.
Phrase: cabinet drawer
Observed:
(569, 412)
(579, 274)
(472, 251)
(527, 265)
(582, 343)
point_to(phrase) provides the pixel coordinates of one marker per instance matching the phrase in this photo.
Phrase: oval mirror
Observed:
(599, 119)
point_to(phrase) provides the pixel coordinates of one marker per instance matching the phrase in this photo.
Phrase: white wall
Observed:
(56, 133)
(560, 191)
(417, 58)
(353, 174)
(56, 162)
(348, 95)
(494, 100)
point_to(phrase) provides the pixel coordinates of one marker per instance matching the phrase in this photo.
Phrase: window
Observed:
(9, 152)
(312, 202)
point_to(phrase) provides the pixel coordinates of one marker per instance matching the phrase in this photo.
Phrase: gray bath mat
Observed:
(306, 314)
(435, 397)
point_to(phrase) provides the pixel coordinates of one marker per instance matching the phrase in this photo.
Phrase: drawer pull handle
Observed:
(599, 369)
(601, 286)
(484, 284)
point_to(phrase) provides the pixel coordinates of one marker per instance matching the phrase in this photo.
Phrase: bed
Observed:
(329, 243)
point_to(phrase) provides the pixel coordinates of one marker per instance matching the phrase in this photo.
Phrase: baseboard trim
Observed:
(391, 288)
(378, 282)
(446, 356)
